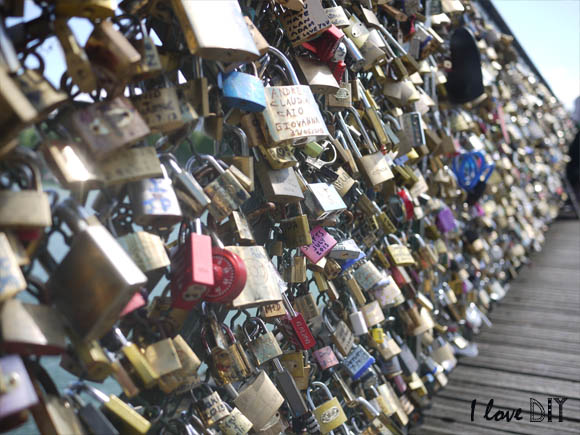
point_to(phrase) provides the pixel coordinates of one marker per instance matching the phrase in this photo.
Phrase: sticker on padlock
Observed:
(322, 244)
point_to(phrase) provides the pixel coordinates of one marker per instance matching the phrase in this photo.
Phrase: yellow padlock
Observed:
(330, 414)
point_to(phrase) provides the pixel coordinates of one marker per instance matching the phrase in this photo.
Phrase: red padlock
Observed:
(192, 269)
(230, 276)
(305, 339)
(325, 45)
(338, 69)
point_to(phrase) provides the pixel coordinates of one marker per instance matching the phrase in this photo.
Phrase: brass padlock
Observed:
(96, 279)
(259, 400)
(29, 208)
(329, 414)
(203, 39)
(111, 51)
(78, 64)
(305, 24)
(109, 125)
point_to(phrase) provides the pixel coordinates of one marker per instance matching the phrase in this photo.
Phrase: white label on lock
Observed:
(292, 113)
(329, 415)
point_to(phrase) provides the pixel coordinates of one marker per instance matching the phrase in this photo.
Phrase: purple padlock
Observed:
(325, 357)
(322, 244)
(20, 394)
(445, 220)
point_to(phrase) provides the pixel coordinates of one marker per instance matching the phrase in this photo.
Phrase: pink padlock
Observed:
(445, 220)
(325, 357)
(322, 244)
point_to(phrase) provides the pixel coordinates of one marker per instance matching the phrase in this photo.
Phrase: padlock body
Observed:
(243, 91)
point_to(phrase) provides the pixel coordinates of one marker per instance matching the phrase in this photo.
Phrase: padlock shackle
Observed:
(362, 128)
(289, 68)
(349, 139)
(72, 214)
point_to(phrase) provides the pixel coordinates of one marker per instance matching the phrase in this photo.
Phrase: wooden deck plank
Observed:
(532, 350)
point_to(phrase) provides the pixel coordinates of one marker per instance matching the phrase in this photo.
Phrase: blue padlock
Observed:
(243, 91)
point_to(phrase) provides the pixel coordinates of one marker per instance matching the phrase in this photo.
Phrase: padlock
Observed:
(296, 230)
(373, 314)
(262, 284)
(201, 37)
(235, 423)
(133, 360)
(306, 24)
(325, 357)
(13, 280)
(90, 415)
(243, 91)
(150, 65)
(259, 400)
(112, 52)
(442, 353)
(78, 64)
(295, 269)
(93, 9)
(230, 270)
(154, 202)
(345, 250)
(325, 45)
(17, 394)
(341, 336)
(279, 185)
(329, 414)
(146, 250)
(192, 269)
(374, 165)
(318, 75)
(28, 208)
(357, 362)
(299, 326)
(225, 192)
(18, 113)
(399, 254)
(388, 294)
(261, 342)
(323, 201)
(30, 329)
(109, 125)
(90, 360)
(187, 189)
(163, 358)
(292, 115)
(160, 107)
(322, 244)
(69, 163)
(55, 415)
(122, 415)
(186, 376)
(43, 96)
(445, 220)
(368, 276)
(357, 320)
(306, 305)
(408, 361)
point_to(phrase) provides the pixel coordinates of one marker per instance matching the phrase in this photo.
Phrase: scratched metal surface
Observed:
(532, 351)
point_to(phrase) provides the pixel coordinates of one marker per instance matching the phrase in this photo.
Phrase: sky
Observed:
(549, 31)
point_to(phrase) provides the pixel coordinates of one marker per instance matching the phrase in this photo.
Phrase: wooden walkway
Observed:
(532, 351)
